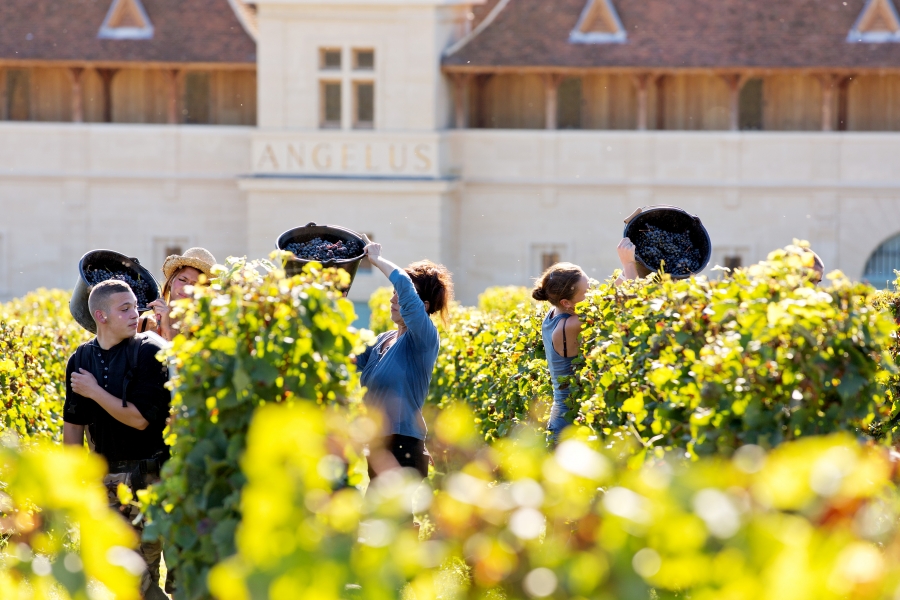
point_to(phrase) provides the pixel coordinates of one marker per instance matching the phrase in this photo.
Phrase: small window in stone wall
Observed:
(545, 255)
(733, 262)
(729, 257)
(164, 247)
(569, 103)
(330, 59)
(751, 106)
(18, 95)
(197, 97)
(365, 105)
(330, 98)
(548, 259)
(364, 60)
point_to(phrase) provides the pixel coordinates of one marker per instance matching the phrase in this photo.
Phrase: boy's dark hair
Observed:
(99, 298)
(434, 286)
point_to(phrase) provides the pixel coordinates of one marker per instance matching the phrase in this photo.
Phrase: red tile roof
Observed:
(185, 31)
(680, 34)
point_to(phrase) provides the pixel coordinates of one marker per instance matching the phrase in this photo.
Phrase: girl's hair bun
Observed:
(557, 283)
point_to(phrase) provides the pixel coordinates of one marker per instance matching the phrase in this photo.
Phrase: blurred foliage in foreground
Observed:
(60, 540)
(250, 339)
(815, 518)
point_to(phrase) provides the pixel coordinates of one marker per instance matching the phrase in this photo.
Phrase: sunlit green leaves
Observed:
(761, 356)
(37, 336)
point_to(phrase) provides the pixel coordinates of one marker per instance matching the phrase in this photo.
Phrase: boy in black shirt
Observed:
(115, 386)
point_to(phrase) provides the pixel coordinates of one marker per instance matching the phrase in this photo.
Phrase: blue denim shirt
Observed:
(397, 380)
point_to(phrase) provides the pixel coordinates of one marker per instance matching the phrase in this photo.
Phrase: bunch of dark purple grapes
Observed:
(656, 245)
(323, 250)
(140, 287)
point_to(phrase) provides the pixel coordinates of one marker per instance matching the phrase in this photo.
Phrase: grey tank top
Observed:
(560, 366)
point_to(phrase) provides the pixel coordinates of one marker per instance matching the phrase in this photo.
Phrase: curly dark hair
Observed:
(434, 286)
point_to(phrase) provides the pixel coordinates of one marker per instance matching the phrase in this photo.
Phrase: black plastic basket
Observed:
(332, 233)
(111, 261)
(671, 219)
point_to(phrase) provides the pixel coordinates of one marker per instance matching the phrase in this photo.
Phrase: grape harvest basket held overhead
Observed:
(330, 245)
(100, 265)
(670, 238)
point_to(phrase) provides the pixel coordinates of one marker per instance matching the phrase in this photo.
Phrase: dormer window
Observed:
(877, 23)
(599, 23)
(126, 20)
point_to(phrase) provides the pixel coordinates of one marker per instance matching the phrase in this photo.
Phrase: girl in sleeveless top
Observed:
(564, 285)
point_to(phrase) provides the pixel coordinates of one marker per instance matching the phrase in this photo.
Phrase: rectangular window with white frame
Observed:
(347, 88)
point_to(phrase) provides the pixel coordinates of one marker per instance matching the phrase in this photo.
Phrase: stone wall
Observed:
(137, 189)
(492, 204)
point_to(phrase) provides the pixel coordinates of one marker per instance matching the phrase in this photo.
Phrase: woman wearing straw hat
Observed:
(180, 272)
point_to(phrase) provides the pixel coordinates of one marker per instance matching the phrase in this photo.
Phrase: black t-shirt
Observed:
(113, 439)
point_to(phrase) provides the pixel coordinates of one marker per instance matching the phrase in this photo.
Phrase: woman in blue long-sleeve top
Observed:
(397, 368)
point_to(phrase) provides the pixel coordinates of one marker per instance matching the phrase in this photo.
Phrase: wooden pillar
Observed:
(828, 83)
(480, 117)
(735, 83)
(106, 75)
(172, 96)
(551, 100)
(4, 95)
(75, 75)
(642, 83)
(843, 102)
(460, 83)
(661, 102)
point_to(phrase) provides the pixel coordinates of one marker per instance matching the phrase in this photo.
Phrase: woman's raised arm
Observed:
(373, 251)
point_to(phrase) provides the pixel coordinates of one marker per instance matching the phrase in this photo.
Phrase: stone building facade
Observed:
(495, 137)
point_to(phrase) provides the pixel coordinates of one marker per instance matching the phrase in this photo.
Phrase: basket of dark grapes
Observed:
(668, 238)
(101, 265)
(330, 245)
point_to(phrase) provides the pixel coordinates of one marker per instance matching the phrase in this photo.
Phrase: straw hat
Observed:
(199, 258)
